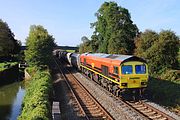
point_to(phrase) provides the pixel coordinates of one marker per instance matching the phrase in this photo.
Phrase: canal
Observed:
(11, 97)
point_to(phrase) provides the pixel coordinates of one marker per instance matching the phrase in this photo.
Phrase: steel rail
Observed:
(79, 105)
(92, 101)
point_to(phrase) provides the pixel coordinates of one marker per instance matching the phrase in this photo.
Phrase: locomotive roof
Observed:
(122, 58)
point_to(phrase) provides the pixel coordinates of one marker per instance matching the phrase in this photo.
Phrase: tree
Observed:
(84, 39)
(169, 47)
(144, 41)
(8, 45)
(86, 46)
(17, 47)
(114, 29)
(39, 46)
(94, 43)
(160, 50)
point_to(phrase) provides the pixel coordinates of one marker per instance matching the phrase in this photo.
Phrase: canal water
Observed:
(11, 97)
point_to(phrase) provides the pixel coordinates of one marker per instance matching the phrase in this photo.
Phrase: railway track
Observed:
(149, 111)
(143, 108)
(89, 107)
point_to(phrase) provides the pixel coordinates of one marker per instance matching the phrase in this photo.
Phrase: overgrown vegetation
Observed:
(36, 104)
(7, 65)
(165, 92)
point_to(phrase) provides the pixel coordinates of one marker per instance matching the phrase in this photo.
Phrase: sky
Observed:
(69, 20)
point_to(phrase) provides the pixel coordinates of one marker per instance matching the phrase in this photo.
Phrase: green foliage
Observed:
(71, 51)
(36, 105)
(114, 29)
(8, 45)
(166, 93)
(85, 46)
(39, 46)
(171, 75)
(179, 55)
(160, 50)
(32, 70)
(7, 65)
(144, 41)
(94, 43)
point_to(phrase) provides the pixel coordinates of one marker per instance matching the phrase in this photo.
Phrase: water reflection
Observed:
(10, 100)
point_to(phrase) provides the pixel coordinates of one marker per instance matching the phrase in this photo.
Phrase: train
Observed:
(116, 73)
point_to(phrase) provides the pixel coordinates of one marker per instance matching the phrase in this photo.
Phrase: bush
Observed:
(164, 92)
(171, 75)
(7, 65)
(36, 104)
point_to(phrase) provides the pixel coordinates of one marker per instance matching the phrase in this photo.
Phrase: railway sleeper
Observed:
(92, 108)
(147, 111)
(137, 106)
(93, 112)
(151, 113)
(155, 116)
(141, 108)
(163, 118)
(89, 103)
(89, 106)
(99, 117)
(87, 98)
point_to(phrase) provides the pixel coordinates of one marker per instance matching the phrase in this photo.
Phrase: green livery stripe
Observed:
(100, 74)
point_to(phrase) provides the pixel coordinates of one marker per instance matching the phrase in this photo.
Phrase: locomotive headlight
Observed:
(143, 83)
(124, 84)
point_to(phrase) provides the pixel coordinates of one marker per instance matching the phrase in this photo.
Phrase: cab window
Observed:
(140, 69)
(116, 70)
(127, 69)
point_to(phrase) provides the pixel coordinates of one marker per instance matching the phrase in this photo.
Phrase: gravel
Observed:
(115, 107)
(163, 109)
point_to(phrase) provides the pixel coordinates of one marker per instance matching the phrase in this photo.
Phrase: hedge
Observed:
(6, 65)
(36, 104)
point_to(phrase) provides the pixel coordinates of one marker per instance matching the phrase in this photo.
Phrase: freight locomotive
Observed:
(117, 73)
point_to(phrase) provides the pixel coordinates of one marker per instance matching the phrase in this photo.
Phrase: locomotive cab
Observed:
(133, 74)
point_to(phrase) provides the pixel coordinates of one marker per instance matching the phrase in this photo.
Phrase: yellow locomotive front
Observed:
(133, 75)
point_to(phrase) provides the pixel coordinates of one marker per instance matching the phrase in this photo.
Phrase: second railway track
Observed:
(90, 108)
